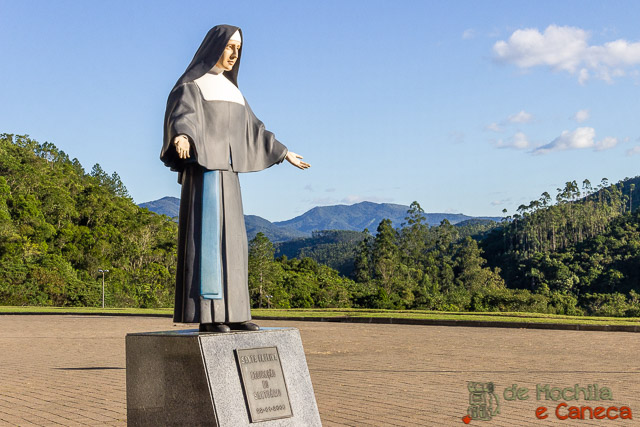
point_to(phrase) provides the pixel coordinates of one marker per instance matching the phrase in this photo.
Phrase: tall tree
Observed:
(262, 271)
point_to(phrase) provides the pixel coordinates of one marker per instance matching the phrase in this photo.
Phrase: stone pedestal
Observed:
(224, 380)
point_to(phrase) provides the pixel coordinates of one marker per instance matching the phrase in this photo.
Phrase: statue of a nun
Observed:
(211, 134)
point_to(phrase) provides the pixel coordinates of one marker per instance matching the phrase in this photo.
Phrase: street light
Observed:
(102, 271)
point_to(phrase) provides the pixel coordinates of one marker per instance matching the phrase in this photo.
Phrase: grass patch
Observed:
(443, 315)
(351, 312)
(85, 310)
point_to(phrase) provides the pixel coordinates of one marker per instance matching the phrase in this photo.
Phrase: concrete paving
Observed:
(70, 370)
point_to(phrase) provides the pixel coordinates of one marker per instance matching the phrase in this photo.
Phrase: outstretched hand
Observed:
(296, 160)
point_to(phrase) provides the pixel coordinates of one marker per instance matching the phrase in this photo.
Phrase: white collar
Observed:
(216, 87)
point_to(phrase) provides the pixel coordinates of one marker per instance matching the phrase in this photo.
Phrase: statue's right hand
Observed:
(181, 142)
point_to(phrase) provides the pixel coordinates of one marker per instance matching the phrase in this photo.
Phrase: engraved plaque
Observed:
(263, 381)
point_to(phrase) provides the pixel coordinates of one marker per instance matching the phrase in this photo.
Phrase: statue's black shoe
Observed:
(245, 326)
(214, 327)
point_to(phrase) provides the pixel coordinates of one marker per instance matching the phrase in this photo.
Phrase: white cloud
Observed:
(308, 187)
(580, 138)
(567, 49)
(494, 127)
(633, 151)
(518, 141)
(581, 116)
(607, 143)
(469, 33)
(330, 190)
(583, 76)
(521, 117)
(500, 202)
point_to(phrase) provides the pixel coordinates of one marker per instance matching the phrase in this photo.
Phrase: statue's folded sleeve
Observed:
(181, 118)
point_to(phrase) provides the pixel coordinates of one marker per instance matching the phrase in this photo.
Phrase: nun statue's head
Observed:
(231, 52)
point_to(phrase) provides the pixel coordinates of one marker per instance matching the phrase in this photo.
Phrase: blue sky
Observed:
(464, 106)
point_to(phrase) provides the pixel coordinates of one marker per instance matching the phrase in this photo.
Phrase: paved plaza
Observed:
(70, 370)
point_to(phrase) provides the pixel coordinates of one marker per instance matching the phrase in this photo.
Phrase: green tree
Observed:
(262, 270)
(385, 255)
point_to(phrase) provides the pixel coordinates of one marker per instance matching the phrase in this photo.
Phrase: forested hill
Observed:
(575, 254)
(362, 215)
(337, 248)
(354, 217)
(60, 224)
(169, 206)
(545, 225)
(585, 245)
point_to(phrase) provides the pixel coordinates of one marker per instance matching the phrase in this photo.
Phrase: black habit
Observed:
(225, 137)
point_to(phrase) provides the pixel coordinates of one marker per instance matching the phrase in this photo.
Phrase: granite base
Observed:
(191, 378)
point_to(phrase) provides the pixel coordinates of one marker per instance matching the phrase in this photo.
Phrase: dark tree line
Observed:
(543, 227)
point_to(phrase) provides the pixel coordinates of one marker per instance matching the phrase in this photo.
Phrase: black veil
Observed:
(208, 54)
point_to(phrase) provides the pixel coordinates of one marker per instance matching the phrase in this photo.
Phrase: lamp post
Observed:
(102, 271)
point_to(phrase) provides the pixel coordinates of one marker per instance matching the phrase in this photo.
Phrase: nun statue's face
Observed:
(229, 56)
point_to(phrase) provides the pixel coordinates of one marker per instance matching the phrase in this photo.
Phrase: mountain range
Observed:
(354, 217)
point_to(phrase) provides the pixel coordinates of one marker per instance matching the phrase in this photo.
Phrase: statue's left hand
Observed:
(296, 160)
